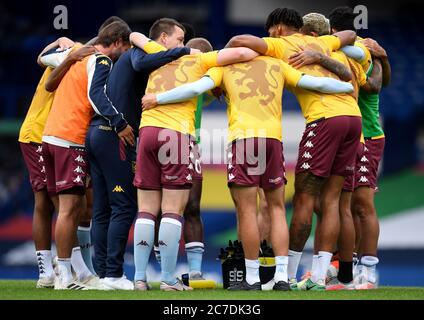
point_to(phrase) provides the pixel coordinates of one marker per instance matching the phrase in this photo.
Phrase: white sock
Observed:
(314, 268)
(79, 265)
(370, 262)
(281, 263)
(252, 271)
(294, 260)
(44, 261)
(324, 260)
(64, 266)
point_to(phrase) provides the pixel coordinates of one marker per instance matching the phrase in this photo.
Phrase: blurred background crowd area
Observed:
(26, 28)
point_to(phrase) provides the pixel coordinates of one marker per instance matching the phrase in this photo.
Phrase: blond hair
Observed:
(316, 22)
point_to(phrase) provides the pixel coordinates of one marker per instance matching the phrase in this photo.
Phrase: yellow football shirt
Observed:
(366, 62)
(358, 74)
(253, 91)
(314, 105)
(177, 116)
(35, 120)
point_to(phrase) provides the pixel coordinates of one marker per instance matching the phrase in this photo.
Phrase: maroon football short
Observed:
(196, 162)
(367, 164)
(349, 184)
(33, 157)
(328, 146)
(66, 168)
(256, 162)
(163, 159)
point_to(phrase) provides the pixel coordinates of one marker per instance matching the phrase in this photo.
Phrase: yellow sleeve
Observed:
(361, 76)
(340, 57)
(332, 42)
(209, 59)
(291, 75)
(216, 74)
(275, 47)
(366, 62)
(153, 47)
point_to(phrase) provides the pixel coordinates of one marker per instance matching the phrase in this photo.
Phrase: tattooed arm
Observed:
(375, 80)
(307, 57)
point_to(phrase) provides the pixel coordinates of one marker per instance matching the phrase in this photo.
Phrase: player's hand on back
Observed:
(195, 51)
(303, 58)
(127, 136)
(82, 52)
(65, 43)
(375, 49)
(149, 101)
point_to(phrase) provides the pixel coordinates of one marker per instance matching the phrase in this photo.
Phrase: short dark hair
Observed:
(113, 32)
(189, 33)
(286, 16)
(166, 25)
(342, 18)
(200, 43)
(109, 20)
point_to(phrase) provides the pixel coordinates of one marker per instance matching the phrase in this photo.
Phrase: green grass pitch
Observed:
(25, 290)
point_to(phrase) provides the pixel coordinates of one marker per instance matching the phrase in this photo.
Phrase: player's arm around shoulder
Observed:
(60, 71)
(248, 41)
(60, 44)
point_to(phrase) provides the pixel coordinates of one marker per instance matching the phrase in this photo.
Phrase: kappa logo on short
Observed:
(43, 169)
(313, 125)
(276, 180)
(39, 149)
(41, 159)
(231, 176)
(364, 159)
(118, 189)
(306, 166)
(309, 144)
(190, 166)
(80, 159)
(306, 155)
(363, 169)
(189, 177)
(79, 170)
(78, 179)
(363, 179)
(365, 149)
(311, 134)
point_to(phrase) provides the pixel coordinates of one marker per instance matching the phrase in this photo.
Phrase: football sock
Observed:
(44, 261)
(294, 260)
(252, 271)
(324, 260)
(80, 268)
(194, 251)
(64, 266)
(84, 240)
(345, 274)
(314, 268)
(169, 239)
(370, 262)
(281, 263)
(144, 234)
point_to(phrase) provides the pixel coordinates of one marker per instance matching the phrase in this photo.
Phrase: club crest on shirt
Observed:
(254, 78)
